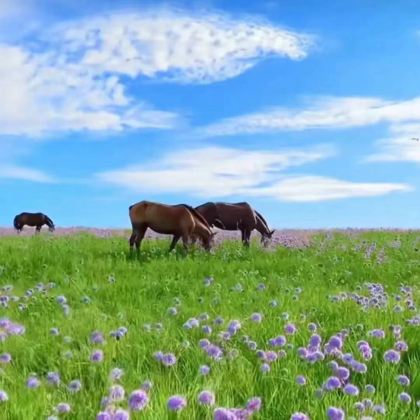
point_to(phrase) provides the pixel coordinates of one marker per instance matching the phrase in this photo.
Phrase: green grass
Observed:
(146, 287)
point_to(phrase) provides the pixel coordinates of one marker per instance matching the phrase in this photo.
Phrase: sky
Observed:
(309, 110)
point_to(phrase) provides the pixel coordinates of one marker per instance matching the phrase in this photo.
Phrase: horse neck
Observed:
(261, 227)
(202, 230)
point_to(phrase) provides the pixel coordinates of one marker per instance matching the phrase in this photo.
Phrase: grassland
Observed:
(105, 288)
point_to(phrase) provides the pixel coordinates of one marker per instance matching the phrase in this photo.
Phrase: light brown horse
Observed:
(181, 221)
(33, 219)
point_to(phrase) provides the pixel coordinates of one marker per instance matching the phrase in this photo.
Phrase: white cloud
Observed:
(189, 48)
(75, 76)
(221, 172)
(321, 113)
(24, 174)
(319, 188)
(213, 171)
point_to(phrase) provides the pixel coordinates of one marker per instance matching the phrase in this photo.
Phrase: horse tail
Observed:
(198, 215)
(16, 223)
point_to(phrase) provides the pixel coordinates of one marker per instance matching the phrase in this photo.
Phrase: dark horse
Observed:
(236, 216)
(181, 221)
(33, 219)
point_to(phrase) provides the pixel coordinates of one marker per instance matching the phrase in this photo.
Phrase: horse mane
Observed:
(206, 204)
(196, 214)
(262, 219)
(50, 223)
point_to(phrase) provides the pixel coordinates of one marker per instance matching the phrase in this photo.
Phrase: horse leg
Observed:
(175, 240)
(38, 229)
(132, 240)
(247, 235)
(185, 242)
(141, 230)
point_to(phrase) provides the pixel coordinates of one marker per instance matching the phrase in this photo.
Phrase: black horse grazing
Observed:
(33, 219)
(236, 216)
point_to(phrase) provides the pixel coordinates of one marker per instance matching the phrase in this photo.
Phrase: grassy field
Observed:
(62, 289)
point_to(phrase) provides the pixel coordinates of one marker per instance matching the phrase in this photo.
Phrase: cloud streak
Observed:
(320, 113)
(223, 172)
(21, 173)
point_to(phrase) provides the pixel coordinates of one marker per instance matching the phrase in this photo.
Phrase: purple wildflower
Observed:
(256, 317)
(392, 356)
(204, 370)
(103, 415)
(351, 389)
(176, 403)
(116, 393)
(116, 374)
(234, 326)
(299, 416)
(97, 337)
(403, 380)
(332, 383)
(254, 404)
(404, 397)
(334, 413)
(172, 311)
(169, 359)
(121, 414)
(33, 382)
(53, 378)
(265, 367)
(370, 389)
(5, 358)
(312, 327)
(74, 386)
(3, 396)
(146, 385)
(300, 380)
(138, 400)
(63, 408)
(206, 398)
(97, 356)
(290, 329)
(206, 329)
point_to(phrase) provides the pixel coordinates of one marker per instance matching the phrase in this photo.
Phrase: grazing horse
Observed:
(236, 216)
(33, 219)
(181, 221)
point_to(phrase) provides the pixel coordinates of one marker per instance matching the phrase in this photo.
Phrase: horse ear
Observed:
(213, 234)
(272, 232)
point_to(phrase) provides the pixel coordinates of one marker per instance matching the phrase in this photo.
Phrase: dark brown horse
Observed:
(33, 219)
(236, 216)
(181, 221)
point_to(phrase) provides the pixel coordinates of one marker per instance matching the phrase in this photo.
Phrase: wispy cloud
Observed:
(21, 173)
(222, 172)
(75, 76)
(319, 188)
(404, 146)
(320, 113)
(212, 171)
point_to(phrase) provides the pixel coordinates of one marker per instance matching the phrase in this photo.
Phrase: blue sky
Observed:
(306, 109)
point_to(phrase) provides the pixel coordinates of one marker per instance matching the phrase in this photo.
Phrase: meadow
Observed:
(327, 328)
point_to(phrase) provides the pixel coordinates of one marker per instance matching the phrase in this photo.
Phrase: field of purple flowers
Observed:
(321, 325)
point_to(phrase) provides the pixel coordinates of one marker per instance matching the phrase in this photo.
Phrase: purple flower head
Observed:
(370, 389)
(63, 408)
(74, 386)
(377, 333)
(121, 414)
(332, 383)
(138, 400)
(116, 374)
(169, 359)
(206, 398)
(315, 341)
(208, 281)
(290, 329)
(146, 385)
(61, 300)
(203, 343)
(404, 397)
(33, 382)
(158, 356)
(335, 342)
(97, 337)
(54, 331)
(206, 329)
(312, 327)
(401, 346)
(359, 406)
(172, 311)
(302, 352)
(234, 326)
(254, 404)
(265, 367)
(97, 356)
(270, 356)
(333, 365)
(224, 414)
(368, 404)
(334, 413)
(214, 351)
(299, 416)
(219, 320)
(3, 396)
(392, 356)
(403, 380)
(53, 378)
(252, 345)
(5, 358)
(351, 389)
(256, 317)
(380, 409)
(204, 370)
(343, 373)
(116, 393)
(300, 380)
(103, 415)
(176, 403)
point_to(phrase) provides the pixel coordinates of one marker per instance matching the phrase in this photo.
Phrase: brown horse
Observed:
(236, 216)
(33, 219)
(181, 221)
